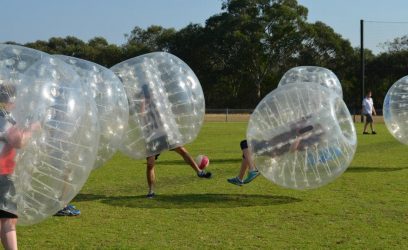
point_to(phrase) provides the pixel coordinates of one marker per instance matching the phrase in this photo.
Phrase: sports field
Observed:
(366, 208)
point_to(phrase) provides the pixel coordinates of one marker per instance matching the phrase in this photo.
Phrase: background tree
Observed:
(154, 38)
(244, 51)
(241, 53)
(321, 46)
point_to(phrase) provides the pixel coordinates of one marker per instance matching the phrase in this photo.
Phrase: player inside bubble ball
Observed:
(158, 137)
(58, 129)
(302, 135)
(11, 138)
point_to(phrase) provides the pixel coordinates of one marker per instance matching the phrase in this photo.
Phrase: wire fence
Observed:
(243, 115)
(228, 115)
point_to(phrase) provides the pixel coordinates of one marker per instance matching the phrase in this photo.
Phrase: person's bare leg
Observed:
(372, 127)
(248, 159)
(187, 158)
(243, 169)
(246, 164)
(365, 127)
(252, 170)
(9, 234)
(151, 178)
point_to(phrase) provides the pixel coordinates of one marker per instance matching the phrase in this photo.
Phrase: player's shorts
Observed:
(244, 145)
(7, 189)
(369, 118)
(7, 215)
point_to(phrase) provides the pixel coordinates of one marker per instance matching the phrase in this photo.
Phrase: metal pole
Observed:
(362, 63)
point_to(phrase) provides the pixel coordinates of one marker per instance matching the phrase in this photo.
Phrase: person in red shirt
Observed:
(11, 138)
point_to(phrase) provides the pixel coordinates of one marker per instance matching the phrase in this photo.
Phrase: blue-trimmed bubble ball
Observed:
(301, 136)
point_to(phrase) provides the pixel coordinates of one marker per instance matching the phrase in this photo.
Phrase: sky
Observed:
(25, 21)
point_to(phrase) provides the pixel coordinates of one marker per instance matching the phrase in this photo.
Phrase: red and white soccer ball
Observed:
(202, 161)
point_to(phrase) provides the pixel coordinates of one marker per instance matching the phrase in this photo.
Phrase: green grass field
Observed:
(365, 208)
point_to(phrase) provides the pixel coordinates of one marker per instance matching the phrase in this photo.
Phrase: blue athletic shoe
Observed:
(251, 176)
(74, 212)
(235, 181)
(70, 206)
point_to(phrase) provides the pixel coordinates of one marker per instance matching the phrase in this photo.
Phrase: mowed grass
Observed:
(366, 207)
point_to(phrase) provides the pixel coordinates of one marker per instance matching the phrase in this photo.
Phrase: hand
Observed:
(35, 126)
(14, 137)
(294, 146)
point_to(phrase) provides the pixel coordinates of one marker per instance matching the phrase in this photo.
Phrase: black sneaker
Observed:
(204, 174)
(150, 195)
(365, 133)
(374, 133)
(63, 212)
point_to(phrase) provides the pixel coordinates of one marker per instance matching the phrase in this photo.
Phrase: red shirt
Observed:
(8, 152)
(7, 162)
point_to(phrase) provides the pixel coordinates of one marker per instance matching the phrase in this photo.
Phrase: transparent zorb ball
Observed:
(166, 103)
(301, 136)
(312, 74)
(61, 129)
(110, 97)
(395, 110)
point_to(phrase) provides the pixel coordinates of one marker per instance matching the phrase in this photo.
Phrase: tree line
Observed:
(240, 54)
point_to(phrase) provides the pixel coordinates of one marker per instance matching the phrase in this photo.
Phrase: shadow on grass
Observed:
(88, 197)
(181, 201)
(372, 169)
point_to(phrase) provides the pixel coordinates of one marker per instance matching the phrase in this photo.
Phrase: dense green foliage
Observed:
(365, 208)
(240, 54)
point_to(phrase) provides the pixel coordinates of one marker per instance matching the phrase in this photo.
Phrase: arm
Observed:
(374, 113)
(307, 136)
(18, 137)
(294, 146)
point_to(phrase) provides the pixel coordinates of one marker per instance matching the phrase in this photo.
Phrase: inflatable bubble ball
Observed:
(53, 133)
(113, 112)
(301, 136)
(166, 103)
(395, 110)
(312, 74)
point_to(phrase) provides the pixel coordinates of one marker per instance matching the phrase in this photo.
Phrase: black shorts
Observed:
(159, 144)
(244, 145)
(369, 118)
(7, 189)
(7, 215)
